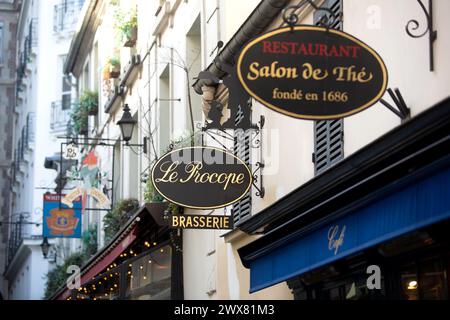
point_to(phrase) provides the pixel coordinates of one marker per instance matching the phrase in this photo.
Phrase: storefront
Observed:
(386, 206)
(143, 262)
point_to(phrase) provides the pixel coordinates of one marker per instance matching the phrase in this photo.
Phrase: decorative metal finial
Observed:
(414, 25)
(290, 16)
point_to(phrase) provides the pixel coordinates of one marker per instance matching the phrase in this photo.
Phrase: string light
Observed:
(141, 267)
(145, 278)
(149, 261)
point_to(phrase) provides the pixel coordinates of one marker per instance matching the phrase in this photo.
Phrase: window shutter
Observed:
(242, 209)
(328, 135)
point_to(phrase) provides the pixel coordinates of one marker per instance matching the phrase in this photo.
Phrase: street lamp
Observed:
(45, 246)
(126, 124)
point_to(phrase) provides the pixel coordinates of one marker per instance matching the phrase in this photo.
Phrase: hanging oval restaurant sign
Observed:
(201, 177)
(312, 73)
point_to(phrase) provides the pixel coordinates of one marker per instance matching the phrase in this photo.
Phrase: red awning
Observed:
(122, 241)
(105, 258)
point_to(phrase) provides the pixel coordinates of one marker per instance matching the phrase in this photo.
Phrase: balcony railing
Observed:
(20, 230)
(65, 15)
(60, 116)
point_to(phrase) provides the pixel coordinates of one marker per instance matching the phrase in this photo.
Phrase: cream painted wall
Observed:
(381, 24)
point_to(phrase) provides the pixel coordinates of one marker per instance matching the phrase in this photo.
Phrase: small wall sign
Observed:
(201, 177)
(200, 222)
(71, 152)
(310, 72)
(61, 222)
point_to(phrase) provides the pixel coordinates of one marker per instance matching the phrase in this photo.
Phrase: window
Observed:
(328, 135)
(164, 125)
(66, 88)
(193, 64)
(149, 277)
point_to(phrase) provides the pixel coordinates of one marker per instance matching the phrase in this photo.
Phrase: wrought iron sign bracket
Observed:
(256, 143)
(258, 180)
(413, 25)
(402, 110)
(290, 16)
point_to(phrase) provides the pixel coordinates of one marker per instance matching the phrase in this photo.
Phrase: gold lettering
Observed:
(272, 71)
(226, 223)
(315, 73)
(175, 221)
(196, 221)
(216, 221)
(349, 74)
(182, 220)
(169, 174)
(254, 70)
(208, 222)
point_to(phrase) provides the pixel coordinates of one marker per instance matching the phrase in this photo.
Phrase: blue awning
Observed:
(419, 204)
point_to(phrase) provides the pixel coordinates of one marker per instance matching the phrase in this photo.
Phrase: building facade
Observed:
(332, 198)
(41, 108)
(9, 13)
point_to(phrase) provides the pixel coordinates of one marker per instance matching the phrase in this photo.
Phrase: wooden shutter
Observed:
(328, 135)
(242, 209)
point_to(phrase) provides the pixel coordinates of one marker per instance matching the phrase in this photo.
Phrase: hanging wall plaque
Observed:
(201, 177)
(312, 72)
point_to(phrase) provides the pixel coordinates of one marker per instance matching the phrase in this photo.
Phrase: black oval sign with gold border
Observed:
(201, 177)
(312, 73)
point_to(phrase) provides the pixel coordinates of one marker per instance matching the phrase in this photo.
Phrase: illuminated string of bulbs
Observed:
(114, 286)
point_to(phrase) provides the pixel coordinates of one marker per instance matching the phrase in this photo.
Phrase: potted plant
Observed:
(111, 70)
(114, 67)
(150, 194)
(126, 23)
(89, 102)
(118, 216)
(79, 119)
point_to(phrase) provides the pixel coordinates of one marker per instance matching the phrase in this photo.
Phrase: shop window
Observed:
(149, 277)
(424, 280)
(242, 209)
(328, 135)
(145, 277)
